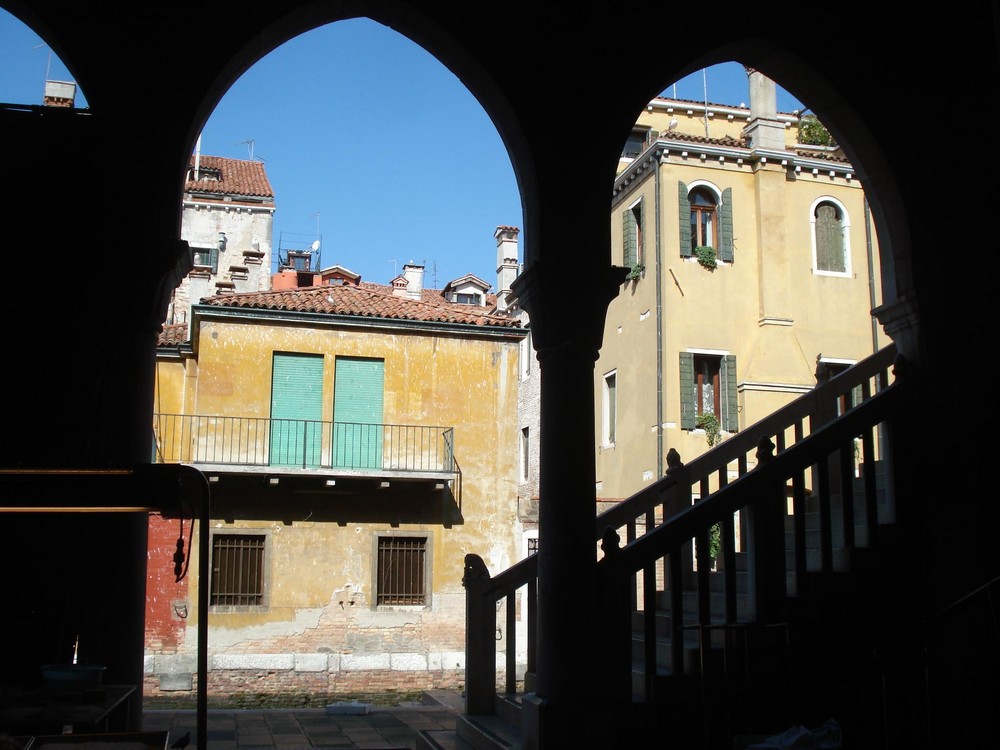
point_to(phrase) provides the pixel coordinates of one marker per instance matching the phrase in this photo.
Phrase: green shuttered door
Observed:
(296, 409)
(357, 413)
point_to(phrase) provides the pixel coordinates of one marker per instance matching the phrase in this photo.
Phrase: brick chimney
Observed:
(59, 94)
(506, 238)
(414, 275)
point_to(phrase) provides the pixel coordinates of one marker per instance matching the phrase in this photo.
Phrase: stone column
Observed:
(567, 330)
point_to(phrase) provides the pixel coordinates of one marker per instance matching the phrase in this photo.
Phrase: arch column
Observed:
(567, 328)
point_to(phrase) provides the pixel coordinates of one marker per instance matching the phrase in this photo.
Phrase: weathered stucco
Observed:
(319, 574)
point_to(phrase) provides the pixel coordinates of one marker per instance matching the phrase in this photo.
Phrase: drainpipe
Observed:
(659, 319)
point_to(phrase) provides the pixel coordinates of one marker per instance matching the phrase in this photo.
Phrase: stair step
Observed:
(488, 732)
(440, 739)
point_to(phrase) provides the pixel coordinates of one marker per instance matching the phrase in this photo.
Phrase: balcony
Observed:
(285, 447)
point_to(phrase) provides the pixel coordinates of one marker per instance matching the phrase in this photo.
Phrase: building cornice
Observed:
(328, 320)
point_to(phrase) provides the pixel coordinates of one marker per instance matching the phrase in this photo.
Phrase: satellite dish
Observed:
(315, 246)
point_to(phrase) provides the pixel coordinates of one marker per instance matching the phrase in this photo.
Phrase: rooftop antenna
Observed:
(704, 85)
(48, 64)
(249, 144)
(315, 244)
(393, 261)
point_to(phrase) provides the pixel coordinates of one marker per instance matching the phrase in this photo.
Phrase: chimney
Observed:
(506, 238)
(59, 94)
(414, 275)
(765, 130)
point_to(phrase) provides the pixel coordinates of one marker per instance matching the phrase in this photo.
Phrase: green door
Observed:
(357, 413)
(296, 409)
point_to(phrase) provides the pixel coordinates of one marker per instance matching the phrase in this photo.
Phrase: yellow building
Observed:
(358, 439)
(751, 267)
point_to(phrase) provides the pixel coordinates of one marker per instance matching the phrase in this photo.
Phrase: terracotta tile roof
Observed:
(711, 105)
(173, 334)
(730, 142)
(727, 141)
(235, 177)
(365, 300)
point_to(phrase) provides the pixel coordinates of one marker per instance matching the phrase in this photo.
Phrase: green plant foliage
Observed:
(636, 272)
(710, 424)
(706, 256)
(813, 133)
(714, 541)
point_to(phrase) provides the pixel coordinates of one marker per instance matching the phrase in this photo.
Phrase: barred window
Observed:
(401, 570)
(237, 570)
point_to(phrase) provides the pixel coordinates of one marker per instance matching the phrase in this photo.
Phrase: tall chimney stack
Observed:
(764, 131)
(414, 275)
(506, 238)
(59, 94)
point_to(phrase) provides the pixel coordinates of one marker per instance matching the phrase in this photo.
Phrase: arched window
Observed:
(705, 221)
(830, 238)
(704, 218)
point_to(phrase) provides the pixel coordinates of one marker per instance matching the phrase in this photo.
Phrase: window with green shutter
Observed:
(705, 221)
(828, 237)
(708, 386)
(632, 244)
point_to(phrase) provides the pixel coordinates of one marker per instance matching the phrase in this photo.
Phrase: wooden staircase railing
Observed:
(799, 466)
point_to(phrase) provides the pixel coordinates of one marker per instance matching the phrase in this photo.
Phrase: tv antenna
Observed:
(48, 64)
(249, 144)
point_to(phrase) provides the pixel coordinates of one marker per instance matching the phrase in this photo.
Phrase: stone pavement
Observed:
(308, 728)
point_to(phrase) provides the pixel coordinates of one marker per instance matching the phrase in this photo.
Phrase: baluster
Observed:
(511, 643)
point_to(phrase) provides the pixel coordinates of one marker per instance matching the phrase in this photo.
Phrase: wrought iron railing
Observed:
(304, 444)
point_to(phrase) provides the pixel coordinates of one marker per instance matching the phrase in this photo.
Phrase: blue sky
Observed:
(370, 144)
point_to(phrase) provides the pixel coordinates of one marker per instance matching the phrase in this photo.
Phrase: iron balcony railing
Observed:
(303, 444)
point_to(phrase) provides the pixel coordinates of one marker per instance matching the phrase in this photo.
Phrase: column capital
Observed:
(567, 315)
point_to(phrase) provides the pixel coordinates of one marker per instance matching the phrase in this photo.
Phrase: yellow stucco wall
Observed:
(768, 307)
(319, 575)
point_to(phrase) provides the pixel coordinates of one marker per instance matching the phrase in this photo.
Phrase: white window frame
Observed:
(609, 411)
(525, 354)
(845, 228)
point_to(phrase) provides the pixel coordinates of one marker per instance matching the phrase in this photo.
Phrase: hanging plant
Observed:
(710, 424)
(706, 256)
(636, 272)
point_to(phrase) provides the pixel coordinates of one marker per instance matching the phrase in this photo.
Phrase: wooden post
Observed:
(480, 646)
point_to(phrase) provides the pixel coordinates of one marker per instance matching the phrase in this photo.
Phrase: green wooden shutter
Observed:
(357, 412)
(628, 243)
(640, 251)
(686, 381)
(684, 217)
(296, 409)
(727, 378)
(726, 226)
(830, 254)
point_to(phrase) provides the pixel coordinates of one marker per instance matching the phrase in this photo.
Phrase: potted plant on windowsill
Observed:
(708, 422)
(706, 256)
(637, 271)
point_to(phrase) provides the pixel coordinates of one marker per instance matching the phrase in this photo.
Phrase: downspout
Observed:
(871, 274)
(659, 318)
